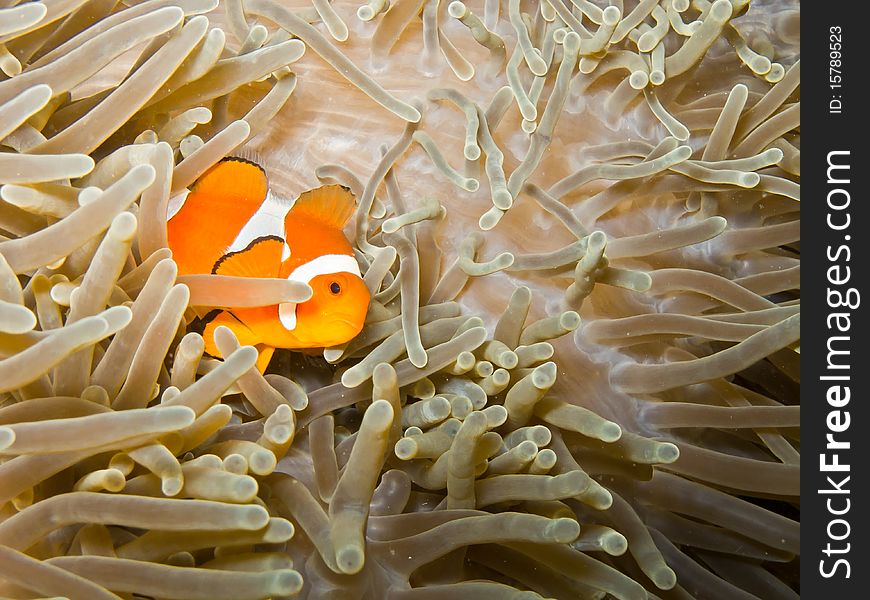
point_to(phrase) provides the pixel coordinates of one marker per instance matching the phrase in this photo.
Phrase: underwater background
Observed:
(579, 372)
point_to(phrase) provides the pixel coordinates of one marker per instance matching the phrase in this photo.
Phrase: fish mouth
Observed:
(342, 330)
(349, 323)
(353, 326)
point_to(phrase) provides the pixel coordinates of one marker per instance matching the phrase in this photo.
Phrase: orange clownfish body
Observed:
(231, 224)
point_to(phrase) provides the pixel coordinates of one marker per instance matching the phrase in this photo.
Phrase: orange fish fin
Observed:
(332, 205)
(238, 178)
(264, 357)
(245, 336)
(261, 258)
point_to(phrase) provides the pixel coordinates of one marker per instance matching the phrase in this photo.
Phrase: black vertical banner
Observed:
(836, 251)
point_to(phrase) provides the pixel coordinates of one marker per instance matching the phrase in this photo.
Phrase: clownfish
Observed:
(230, 223)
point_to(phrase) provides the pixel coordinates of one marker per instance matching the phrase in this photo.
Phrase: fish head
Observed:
(336, 311)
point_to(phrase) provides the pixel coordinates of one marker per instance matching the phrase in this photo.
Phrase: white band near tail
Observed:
(322, 265)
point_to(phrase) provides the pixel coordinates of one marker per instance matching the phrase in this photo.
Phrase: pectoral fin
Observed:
(261, 258)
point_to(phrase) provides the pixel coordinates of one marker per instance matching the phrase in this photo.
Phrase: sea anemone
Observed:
(579, 373)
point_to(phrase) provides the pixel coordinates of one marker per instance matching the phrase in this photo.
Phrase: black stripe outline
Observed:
(253, 242)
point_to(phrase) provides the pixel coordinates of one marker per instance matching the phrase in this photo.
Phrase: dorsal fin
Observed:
(237, 178)
(331, 205)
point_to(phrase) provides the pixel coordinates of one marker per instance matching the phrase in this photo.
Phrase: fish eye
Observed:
(335, 288)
